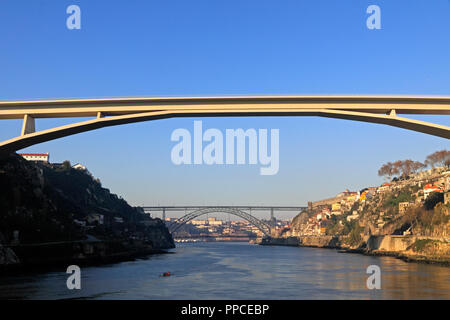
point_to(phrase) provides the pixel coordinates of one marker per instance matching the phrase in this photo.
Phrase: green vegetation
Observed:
(428, 220)
(333, 227)
(395, 197)
(354, 237)
(42, 201)
(25, 206)
(420, 245)
(349, 226)
(66, 165)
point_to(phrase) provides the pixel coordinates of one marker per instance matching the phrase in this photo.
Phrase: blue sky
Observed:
(207, 48)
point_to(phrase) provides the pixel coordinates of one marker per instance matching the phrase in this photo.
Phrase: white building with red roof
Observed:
(429, 188)
(44, 157)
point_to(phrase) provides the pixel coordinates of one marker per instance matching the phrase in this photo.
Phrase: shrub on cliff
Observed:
(420, 244)
(353, 230)
(432, 248)
(66, 165)
(394, 198)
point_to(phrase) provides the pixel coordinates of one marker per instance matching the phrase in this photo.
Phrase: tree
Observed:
(386, 170)
(66, 165)
(400, 168)
(409, 166)
(444, 158)
(392, 169)
(417, 166)
(440, 158)
(383, 171)
(397, 167)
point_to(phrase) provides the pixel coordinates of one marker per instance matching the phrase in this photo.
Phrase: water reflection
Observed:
(240, 271)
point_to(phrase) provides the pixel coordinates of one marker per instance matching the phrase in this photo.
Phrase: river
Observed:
(239, 271)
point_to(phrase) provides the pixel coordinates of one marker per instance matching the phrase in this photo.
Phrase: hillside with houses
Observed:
(55, 212)
(412, 207)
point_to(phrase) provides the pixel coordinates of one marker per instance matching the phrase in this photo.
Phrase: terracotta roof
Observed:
(34, 154)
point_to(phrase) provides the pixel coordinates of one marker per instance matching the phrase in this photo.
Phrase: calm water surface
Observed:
(239, 271)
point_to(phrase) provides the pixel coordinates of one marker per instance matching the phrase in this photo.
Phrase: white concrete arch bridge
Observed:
(118, 111)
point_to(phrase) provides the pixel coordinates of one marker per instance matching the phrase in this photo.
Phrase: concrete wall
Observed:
(319, 241)
(390, 242)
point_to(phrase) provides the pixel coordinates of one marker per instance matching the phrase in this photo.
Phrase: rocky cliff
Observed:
(44, 203)
(396, 219)
(8, 257)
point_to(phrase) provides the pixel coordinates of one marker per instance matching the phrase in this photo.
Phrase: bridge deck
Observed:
(261, 208)
(123, 106)
(112, 112)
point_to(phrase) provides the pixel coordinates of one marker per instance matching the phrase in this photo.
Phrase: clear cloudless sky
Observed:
(233, 47)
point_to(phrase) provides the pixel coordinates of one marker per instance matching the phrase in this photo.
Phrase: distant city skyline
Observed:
(204, 48)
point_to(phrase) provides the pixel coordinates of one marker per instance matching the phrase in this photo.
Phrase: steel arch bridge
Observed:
(261, 225)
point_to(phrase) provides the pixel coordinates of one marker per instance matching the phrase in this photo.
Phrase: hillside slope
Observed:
(42, 203)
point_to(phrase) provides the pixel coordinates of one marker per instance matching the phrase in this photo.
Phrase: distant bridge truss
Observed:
(234, 210)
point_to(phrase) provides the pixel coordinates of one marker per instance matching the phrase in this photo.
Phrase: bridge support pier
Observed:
(28, 125)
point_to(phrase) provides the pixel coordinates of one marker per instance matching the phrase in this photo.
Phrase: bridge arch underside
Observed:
(32, 138)
(262, 226)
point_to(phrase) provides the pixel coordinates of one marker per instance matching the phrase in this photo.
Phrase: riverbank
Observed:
(407, 248)
(47, 256)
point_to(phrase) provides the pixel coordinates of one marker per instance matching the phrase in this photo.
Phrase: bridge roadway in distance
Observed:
(257, 208)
